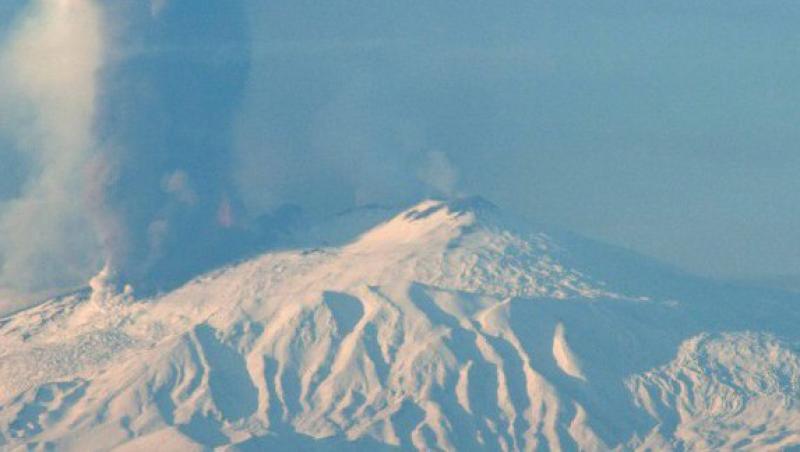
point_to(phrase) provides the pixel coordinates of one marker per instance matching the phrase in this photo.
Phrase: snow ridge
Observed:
(445, 327)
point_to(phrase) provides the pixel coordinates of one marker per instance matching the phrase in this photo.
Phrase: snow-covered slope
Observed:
(446, 327)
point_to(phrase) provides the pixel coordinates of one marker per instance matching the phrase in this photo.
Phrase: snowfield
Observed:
(446, 327)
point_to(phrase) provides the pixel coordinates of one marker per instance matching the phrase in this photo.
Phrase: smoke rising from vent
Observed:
(48, 92)
(166, 132)
(151, 159)
(164, 121)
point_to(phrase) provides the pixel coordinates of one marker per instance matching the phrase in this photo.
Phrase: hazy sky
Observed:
(667, 127)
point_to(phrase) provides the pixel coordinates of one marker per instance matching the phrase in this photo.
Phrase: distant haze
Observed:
(134, 134)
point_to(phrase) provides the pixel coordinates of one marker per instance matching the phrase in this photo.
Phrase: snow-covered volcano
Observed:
(446, 327)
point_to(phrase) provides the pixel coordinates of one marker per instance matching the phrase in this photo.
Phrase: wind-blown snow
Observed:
(445, 327)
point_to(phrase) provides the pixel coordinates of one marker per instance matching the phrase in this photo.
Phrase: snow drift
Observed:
(448, 326)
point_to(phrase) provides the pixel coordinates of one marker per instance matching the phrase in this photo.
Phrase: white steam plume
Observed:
(439, 173)
(48, 70)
